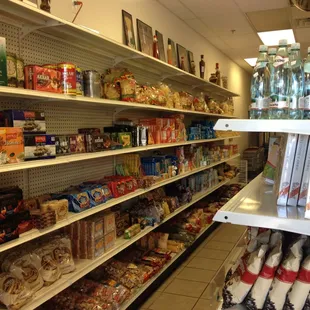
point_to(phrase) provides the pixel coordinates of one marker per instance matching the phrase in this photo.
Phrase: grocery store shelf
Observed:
(46, 97)
(255, 205)
(85, 266)
(73, 217)
(268, 125)
(33, 19)
(86, 156)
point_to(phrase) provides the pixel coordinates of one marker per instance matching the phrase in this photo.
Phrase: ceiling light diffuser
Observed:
(271, 38)
(251, 61)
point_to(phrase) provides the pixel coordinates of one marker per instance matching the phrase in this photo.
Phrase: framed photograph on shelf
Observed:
(182, 54)
(174, 54)
(145, 38)
(191, 62)
(161, 47)
(128, 30)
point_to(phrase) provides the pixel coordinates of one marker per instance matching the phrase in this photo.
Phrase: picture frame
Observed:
(182, 52)
(192, 68)
(173, 52)
(33, 3)
(161, 47)
(145, 38)
(129, 34)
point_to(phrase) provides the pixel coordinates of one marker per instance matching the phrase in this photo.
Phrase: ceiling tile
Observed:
(242, 41)
(260, 5)
(184, 13)
(172, 5)
(219, 43)
(176, 7)
(201, 28)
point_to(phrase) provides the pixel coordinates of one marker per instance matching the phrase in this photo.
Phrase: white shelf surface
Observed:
(73, 217)
(60, 160)
(261, 125)
(85, 266)
(23, 15)
(255, 205)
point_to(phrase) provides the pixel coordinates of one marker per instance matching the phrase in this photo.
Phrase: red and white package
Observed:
(257, 296)
(258, 236)
(285, 276)
(297, 296)
(241, 282)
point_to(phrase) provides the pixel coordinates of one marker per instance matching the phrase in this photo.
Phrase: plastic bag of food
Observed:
(243, 278)
(200, 103)
(111, 91)
(141, 94)
(307, 304)
(177, 100)
(297, 296)
(256, 298)
(128, 87)
(13, 292)
(91, 303)
(285, 276)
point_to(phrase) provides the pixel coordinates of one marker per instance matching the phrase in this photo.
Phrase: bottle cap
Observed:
(202, 56)
(295, 46)
(272, 51)
(263, 48)
(283, 42)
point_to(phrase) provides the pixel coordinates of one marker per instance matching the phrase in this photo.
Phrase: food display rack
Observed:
(40, 38)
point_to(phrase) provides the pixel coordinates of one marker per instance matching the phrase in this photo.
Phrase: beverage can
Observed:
(68, 78)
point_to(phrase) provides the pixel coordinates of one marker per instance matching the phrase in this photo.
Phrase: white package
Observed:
(287, 168)
(297, 170)
(302, 198)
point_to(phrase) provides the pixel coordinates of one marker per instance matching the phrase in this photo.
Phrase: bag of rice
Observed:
(297, 296)
(285, 276)
(240, 283)
(257, 296)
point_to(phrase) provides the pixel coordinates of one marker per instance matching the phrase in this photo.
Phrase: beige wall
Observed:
(106, 17)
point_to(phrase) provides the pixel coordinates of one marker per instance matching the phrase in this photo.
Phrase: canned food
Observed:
(68, 78)
(11, 69)
(92, 83)
(79, 81)
(20, 72)
(50, 66)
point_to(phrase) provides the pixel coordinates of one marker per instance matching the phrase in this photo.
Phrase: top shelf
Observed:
(32, 19)
(261, 125)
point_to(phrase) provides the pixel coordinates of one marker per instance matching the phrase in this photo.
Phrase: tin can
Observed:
(20, 72)
(79, 82)
(11, 69)
(50, 66)
(68, 78)
(92, 83)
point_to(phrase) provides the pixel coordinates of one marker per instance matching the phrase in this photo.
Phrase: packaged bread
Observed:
(59, 206)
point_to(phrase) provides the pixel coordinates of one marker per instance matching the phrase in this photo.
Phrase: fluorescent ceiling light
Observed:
(251, 61)
(271, 38)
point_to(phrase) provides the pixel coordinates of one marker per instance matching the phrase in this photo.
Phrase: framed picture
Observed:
(182, 53)
(191, 62)
(32, 3)
(174, 55)
(128, 30)
(145, 38)
(161, 47)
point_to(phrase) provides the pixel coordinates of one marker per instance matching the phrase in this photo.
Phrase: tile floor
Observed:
(190, 287)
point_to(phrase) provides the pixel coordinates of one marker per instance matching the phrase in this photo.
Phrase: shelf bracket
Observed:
(167, 76)
(119, 110)
(119, 59)
(26, 29)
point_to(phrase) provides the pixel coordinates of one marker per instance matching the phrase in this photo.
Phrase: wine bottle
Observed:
(155, 47)
(202, 66)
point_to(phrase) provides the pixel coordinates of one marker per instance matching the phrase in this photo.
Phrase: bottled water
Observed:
(260, 86)
(272, 52)
(279, 105)
(297, 84)
(307, 86)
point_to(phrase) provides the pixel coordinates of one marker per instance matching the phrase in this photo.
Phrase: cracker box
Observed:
(39, 147)
(297, 170)
(3, 68)
(285, 175)
(11, 145)
(77, 144)
(95, 248)
(305, 180)
(109, 222)
(32, 122)
(109, 240)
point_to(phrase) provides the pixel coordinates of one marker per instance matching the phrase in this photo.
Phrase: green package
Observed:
(3, 70)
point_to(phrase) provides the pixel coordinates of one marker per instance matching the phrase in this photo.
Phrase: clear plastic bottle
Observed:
(272, 52)
(279, 105)
(307, 87)
(260, 86)
(297, 83)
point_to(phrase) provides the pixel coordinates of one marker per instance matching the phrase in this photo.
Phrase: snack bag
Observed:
(307, 304)
(242, 280)
(285, 276)
(299, 292)
(257, 296)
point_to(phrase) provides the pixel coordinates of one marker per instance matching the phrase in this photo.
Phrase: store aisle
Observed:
(189, 287)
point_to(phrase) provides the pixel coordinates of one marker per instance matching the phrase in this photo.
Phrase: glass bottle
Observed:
(260, 86)
(307, 86)
(182, 66)
(169, 54)
(279, 105)
(202, 67)
(297, 83)
(155, 47)
(218, 74)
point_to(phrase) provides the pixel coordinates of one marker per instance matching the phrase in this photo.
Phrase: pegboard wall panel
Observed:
(16, 178)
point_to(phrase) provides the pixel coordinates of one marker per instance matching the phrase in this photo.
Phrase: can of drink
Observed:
(92, 83)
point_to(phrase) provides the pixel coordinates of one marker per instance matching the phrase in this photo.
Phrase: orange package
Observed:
(11, 145)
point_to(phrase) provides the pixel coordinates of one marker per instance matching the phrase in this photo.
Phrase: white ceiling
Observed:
(215, 20)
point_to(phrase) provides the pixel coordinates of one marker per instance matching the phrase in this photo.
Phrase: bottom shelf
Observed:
(152, 280)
